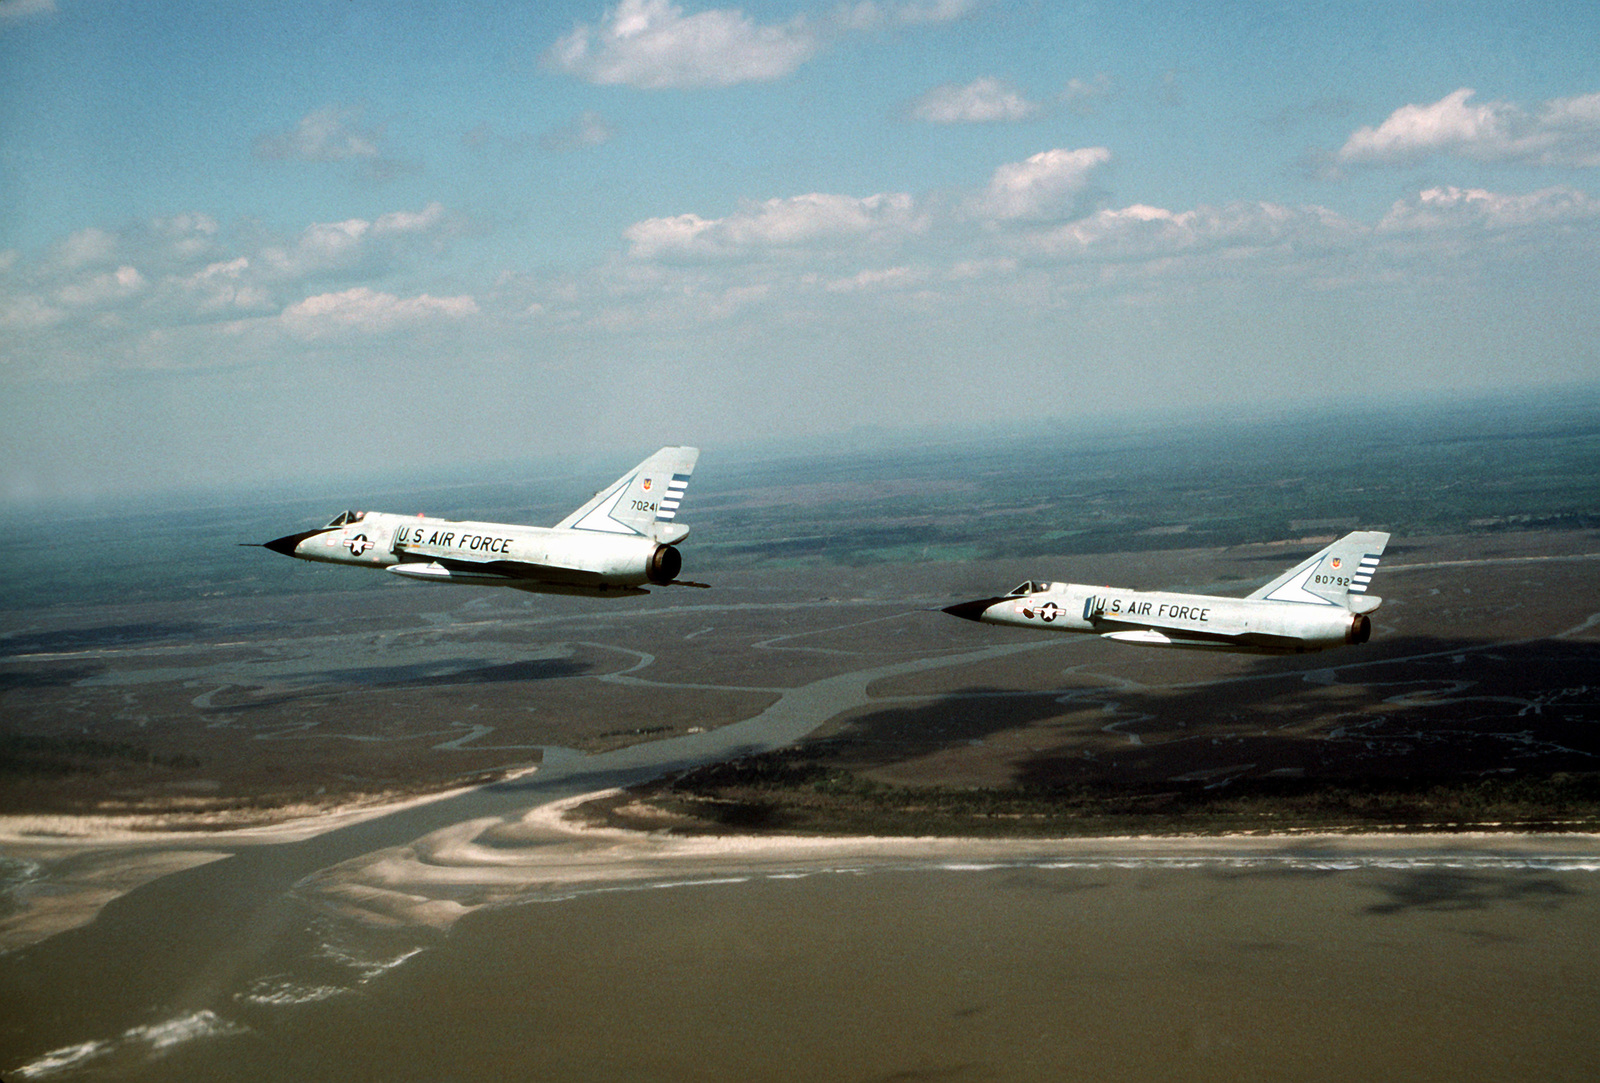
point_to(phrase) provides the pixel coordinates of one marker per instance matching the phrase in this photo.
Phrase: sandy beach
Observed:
(60, 871)
(68, 868)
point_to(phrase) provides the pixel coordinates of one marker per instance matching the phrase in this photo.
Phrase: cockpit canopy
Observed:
(1030, 587)
(346, 518)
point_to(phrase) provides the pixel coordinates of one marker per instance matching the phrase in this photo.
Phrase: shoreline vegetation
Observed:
(785, 793)
(287, 819)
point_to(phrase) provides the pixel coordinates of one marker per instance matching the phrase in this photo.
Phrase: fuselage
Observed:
(541, 559)
(1161, 619)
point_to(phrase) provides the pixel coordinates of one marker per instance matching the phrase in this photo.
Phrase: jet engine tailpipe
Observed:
(1360, 630)
(664, 565)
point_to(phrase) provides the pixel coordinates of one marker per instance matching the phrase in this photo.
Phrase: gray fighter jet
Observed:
(1321, 602)
(616, 543)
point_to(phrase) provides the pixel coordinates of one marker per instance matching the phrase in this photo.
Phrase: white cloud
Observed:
(423, 221)
(984, 100)
(181, 292)
(333, 134)
(328, 134)
(224, 286)
(191, 236)
(1140, 231)
(1043, 186)
(653, 45)
(321, 247)
(1581, 114)
(876, 279)
(1451, 208)
(15, 11)
(102, 289)
(86, 247)
(369, 311)
(1560, 132)
(28, 312)
(869, 15)
(777, 223)
(355, 245)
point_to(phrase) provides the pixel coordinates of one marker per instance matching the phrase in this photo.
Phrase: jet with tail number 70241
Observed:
(616, 543)
(1321, 602)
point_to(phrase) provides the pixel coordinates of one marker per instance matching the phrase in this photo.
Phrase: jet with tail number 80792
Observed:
(616, 543)
(1321, 602)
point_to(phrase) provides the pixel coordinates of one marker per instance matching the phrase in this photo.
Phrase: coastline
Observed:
(1237, 940)
(58, 872)
(283, 823)
(549, 854)
(65, 869)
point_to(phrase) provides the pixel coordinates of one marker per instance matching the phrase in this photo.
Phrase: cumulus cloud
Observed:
(1559, 132)
(1140, 231)
(653, 45)
(354, 245)
(777, 223)
(1043, 186)
(145, 294)
(224, 286)
(368, 311)
(1448, 208)
(985, 100)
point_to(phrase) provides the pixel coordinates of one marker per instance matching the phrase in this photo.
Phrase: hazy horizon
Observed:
(582, 471)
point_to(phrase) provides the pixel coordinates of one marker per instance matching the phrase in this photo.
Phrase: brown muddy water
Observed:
(1411, 968)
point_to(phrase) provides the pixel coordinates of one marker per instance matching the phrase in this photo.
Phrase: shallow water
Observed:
(1413, 968)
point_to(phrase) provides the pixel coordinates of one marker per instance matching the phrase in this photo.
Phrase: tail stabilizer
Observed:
(644, 501)
(1338, 575)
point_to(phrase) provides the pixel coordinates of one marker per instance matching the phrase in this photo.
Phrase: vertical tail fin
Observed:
(1337, 575)
(644, 501)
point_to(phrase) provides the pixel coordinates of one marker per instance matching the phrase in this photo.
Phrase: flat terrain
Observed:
(1481, 667)
(151, 667)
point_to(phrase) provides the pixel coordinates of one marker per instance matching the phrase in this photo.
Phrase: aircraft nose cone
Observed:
(286, 544)
(970, 610)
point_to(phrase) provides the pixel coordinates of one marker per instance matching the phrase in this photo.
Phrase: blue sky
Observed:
(246, 242)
